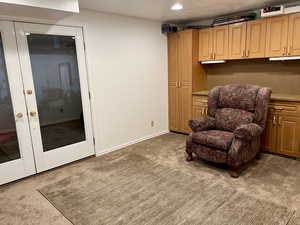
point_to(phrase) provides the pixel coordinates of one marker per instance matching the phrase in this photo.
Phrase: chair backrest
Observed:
(234, 105)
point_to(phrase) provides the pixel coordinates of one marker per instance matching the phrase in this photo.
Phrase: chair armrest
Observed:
(248, 131)
(201, 124)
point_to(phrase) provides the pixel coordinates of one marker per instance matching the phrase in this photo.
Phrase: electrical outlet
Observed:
(152, 123)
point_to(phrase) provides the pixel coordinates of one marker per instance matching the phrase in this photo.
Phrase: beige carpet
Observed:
(133, 189)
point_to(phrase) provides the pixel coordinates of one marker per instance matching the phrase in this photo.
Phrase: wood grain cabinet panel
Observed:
(269, 137)
(206, 44)
(185, 108)
(294, 35)
(185, 76)
(172, 61)
(277, 36)
(174, 108)
(288, 135)
(256, 39)
(237, 40)
(184, 55)
(220, 39)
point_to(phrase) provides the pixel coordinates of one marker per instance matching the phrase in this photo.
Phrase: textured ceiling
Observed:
(159, 10)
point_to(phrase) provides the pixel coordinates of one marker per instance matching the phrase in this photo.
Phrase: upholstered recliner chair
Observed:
(231, 133)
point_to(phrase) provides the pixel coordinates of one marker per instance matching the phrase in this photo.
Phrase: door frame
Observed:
(70, 153)
(24, 166)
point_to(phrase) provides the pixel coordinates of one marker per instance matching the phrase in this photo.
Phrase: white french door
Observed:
(16, 153)
(48, 91)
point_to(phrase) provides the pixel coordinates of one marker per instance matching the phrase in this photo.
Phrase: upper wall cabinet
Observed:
(272, 37)
(277, 36)
(247, 40)
(213, 43)
(256, 38)
(206, 44)
(294, 34)
(237, 40)
(283, 36)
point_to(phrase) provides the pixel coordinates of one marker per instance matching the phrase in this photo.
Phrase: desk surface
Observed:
(274, 96)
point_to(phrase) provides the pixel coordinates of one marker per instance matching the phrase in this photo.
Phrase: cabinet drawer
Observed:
(285, 108)
(200, 101)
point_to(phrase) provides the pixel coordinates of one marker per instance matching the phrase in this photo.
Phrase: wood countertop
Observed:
(274, 96)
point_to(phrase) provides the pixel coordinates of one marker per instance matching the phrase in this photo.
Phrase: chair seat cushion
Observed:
(214, 138)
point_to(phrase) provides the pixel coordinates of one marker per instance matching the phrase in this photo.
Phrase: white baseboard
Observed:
(130, 143)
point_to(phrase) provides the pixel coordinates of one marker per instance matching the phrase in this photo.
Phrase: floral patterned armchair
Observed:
(231, 133)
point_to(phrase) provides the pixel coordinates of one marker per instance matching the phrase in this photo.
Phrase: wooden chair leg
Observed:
(189, 157)
(235, 171)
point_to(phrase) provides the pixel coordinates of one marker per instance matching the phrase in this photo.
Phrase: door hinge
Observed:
(94, 141)
(90, 95)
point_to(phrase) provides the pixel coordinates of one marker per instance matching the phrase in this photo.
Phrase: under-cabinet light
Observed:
(213, 62)
(284, 58)
(177, 6)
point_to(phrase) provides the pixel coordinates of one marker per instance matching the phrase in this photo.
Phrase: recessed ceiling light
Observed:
(177, 6)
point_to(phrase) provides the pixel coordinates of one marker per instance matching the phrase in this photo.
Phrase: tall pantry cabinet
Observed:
(186, 75)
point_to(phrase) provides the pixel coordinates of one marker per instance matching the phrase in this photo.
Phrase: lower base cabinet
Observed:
(282, 132)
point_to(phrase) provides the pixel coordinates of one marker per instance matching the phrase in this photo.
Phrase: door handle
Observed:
(19, 115)
(179, 84)
(29, 92)
(274, 120)
(289, 51)
(284, 51)
(32, 113)
(279, 121)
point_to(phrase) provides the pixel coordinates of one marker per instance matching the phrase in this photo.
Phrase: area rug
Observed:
(135, 190)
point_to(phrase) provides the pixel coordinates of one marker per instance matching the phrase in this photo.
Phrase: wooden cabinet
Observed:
(269, 137)
(237, 40)
(256, 39)
(220, 47)
(277, 36)
(200, 107)
(185, 76)
(247, 40)
(206, 44)
(288, 135)
(213, 43)
(272, 37)
(294, 35)
(282, 133)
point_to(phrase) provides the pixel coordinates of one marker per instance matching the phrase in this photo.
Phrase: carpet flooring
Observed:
(134, 190)
(271, 185)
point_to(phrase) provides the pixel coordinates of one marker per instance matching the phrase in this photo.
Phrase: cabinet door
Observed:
(294, 35)
(237, 40)
(220, 38)
(277, 36)
(186, 108)
(269, 137)
(174, 108)
(205, 44)
(185, 55)
(172, 58)
(289, 135)
(198, 112)
(256, 38)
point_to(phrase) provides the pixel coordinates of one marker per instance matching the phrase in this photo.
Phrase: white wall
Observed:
(127, 69)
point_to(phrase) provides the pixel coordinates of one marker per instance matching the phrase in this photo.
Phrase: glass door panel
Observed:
(57, 88)
(9, 146)
(54, 75)
(16, 154)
